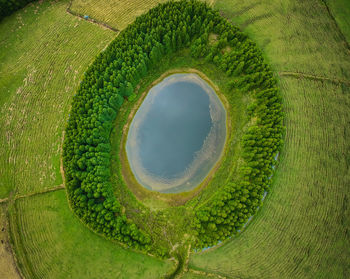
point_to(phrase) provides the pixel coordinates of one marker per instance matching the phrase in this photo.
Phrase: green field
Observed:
(340, 10)
(43, 56)
(302, 230)
(70, 249)
(116, 13)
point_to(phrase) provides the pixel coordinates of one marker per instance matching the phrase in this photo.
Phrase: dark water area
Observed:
(177, 134)
(174, 129)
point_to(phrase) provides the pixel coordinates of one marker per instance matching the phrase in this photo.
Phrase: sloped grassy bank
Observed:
(165, 32)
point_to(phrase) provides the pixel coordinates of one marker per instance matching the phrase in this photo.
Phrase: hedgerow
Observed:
(112, 78)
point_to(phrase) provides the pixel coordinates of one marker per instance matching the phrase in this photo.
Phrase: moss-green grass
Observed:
(52, 243)
(294, 35)
(117, 13)
(340, 9)
(190, 275)
(44, 52)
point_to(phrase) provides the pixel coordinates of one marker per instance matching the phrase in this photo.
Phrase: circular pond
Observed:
(177, 135)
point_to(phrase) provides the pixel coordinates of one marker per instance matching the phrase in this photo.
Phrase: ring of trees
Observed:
(112, 78)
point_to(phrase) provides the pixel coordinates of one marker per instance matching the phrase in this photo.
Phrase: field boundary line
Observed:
(8, 231)
(44, 191)
(207, 274)
(5, 200)
(313, 77)
(336, 25)
(90, 19)
(16, 243)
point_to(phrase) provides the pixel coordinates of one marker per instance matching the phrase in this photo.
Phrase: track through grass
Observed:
(8, 268)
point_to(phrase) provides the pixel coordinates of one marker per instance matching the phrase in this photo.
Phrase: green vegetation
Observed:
(113, 77)
(295, 233)
(7, 7)
(302, 229)
(340, 10)
(116, 13)
(44, 52)
(43, 55)
(59, 236)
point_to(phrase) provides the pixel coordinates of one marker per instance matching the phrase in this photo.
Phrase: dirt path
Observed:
(46, 190)
(8, 262)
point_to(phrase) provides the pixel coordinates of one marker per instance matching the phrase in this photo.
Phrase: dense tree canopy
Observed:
(7, 7)
(112, 78)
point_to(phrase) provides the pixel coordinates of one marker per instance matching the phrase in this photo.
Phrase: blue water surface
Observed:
(177, 134)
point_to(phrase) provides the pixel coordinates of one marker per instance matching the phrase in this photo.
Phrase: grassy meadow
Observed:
(340, 10)
(44, 52)
(116, 13)
(302, 230)
(44, 228)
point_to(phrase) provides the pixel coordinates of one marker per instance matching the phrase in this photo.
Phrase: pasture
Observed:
(301, 231)
(117, 13)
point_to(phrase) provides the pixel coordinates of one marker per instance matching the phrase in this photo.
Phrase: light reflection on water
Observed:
(177, 134)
